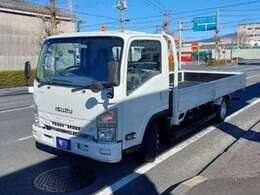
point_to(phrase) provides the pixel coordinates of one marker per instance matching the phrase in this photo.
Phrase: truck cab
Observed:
(95, 93)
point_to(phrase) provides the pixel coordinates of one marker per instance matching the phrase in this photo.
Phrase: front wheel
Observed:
(151, 142)
(222, 110)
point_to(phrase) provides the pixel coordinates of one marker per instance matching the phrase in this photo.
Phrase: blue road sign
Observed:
(204, 23)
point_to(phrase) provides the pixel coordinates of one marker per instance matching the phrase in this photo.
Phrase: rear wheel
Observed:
(222, 110)
(151, 142)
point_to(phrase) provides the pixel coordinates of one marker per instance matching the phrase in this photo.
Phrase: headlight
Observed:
(106, 126)
(106, 134)
(36, 115)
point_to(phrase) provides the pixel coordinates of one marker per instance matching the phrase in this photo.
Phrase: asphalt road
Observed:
(21, 162)
(237, 171)
(14, 98)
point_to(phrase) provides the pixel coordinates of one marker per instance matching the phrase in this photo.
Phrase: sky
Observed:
(145, 15)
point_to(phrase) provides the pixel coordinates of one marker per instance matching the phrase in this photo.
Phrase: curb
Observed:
(186, 186)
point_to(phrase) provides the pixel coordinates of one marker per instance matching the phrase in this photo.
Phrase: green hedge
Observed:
(14, 78)
(217, 62)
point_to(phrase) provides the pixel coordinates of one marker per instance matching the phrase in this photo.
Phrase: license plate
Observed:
(63, 143)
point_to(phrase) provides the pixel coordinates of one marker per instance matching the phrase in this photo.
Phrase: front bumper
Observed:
(102, 152)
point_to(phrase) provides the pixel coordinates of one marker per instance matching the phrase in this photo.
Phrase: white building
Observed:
(249, 34)
(23, 27)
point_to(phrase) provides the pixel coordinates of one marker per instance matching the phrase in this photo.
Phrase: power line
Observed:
(152, 5)
(234, 15)
(204, 9)
(86, 13)
(233, 24)
(94, 15)
(143, 20)
(242, 20)
(159, 3)
(220, 7)
(240, 10)
(98, 24)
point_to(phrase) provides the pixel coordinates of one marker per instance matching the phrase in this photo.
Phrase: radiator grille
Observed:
(71, 127)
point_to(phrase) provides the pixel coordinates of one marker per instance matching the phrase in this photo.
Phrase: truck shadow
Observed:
(252, 92)
(239, 133)
(232, 130)
(21, 181)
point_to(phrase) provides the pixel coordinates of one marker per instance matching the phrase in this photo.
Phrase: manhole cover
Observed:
(64, 179)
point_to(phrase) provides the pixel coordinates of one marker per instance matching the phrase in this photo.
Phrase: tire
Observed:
(151, 142)
(222, 111)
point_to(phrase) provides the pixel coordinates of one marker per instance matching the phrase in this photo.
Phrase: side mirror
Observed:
(110, 93)
(113, 73)
(27, 71)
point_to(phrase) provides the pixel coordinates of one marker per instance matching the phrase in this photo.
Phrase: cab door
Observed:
(146, 86)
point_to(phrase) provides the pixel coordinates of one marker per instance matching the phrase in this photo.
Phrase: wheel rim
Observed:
(223, 110)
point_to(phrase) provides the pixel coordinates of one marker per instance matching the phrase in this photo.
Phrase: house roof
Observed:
(17, 6)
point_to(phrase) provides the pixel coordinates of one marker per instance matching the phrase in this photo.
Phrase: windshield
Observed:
(79, 61)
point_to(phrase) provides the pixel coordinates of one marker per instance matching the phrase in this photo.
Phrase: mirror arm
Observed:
(110, 94)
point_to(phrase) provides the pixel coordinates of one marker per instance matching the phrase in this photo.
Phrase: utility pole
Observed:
(53, 22)
(158, 29)
(216, 37)
(70, 6)
(238, 44)
(180, 43)
(103, 27)
(166, 20)
(122, 6)
(78, 23)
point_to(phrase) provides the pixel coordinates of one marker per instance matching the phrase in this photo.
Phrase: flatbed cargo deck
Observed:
(203, 87)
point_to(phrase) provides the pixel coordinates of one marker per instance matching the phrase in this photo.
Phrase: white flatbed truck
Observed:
(99, 94)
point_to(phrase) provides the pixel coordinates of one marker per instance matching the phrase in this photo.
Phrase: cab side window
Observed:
(144, 62)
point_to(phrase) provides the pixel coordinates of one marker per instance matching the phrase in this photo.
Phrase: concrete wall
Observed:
(252, 53)
(21, 37)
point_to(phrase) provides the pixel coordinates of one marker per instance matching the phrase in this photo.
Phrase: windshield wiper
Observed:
(51, 82)
(57, 80)
(41, 84)
(95, 87)
(81, 88)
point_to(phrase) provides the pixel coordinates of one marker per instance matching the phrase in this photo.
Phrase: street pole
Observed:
(198, 55)
(231, 51)
(53, 25)
(238, 45)
(166, 21)
(70, 6)
(216, 37)
(122, 19)
(180, 43)
(121, 6)
(158, 29)
(78, 23)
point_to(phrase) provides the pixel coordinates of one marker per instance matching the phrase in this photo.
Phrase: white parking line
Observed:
(24, 138)
(255, 68)
(254, 76)
(16, 109)
(146, 167)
